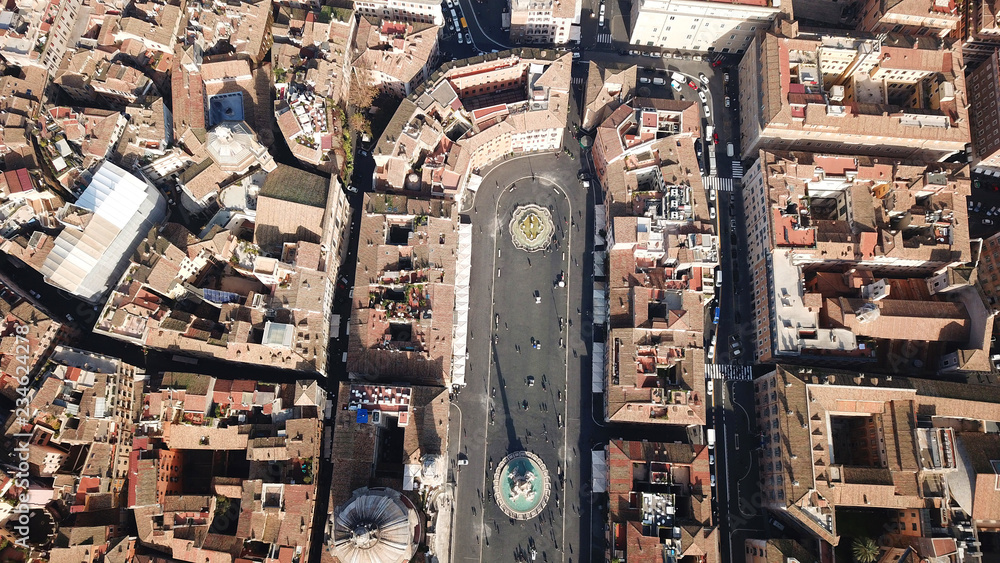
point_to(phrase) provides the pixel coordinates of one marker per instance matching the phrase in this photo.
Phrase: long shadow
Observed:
(513, 441)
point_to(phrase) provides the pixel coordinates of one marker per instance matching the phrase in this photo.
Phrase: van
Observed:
(709, 131)
(659, 81)
(678, 77)
(729, 150)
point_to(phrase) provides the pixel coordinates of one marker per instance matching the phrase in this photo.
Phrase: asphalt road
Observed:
(498, 369)
(736, 453)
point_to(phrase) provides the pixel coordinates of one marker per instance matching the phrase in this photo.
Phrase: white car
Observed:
(468, 37)
(703, 78)
(643, 80)
(675, 85)
(711, 194)
(352, 189)
(460, 38)
(702, 96)
(708, 112)
(711, 213)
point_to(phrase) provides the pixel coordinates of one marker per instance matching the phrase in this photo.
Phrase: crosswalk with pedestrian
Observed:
(728, 372)
(604, 38)
(718, 184)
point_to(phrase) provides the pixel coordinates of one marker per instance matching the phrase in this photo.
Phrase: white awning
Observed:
(599, 269)
(459, 341)
(600, 224)
(597, 376)
(600, 303)
(599, 471)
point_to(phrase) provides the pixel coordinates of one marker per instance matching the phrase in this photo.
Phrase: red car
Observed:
(715, 138)
(693, 85)
(716, 63)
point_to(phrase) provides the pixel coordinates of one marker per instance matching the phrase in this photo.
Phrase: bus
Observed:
(464, 25)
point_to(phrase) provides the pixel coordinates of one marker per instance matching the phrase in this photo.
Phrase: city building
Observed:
(776, 551)
(914, 18)
(607, 88)
(423, 11)
(660, 503)
(844, 248)
(700, 25)
(396, 56)
(550, 22)
(100, 231)
(978, 32)
(984, 88)
(661, 264)
(404, 306)
(43, 334)
(989, 269)
(905, 455)
(888, 95)
(247, 307)
(472, 116)
(245, 26)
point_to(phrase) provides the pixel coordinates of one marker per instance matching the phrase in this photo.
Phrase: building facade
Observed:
(695, 25)
(891, 95)
(425, 11)
(984, 94)
(545, 21)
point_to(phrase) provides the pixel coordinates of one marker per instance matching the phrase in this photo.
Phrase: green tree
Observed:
(865, 550)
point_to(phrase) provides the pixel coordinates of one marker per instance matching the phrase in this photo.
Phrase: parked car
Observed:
(675, 85)
(659, 81)
(708, 111)
(703, 78)
(703, 97)
(727, 101)
(711, 213)
(693, 85)
(644, 80)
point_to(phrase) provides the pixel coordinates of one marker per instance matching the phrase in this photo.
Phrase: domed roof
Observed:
(375, 526)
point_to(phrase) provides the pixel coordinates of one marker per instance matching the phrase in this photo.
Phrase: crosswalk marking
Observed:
(719, 184)
(604, 38)
(737, 169)
(578, 80)
(728, 372)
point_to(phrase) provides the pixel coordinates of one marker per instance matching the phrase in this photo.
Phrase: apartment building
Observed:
(397, 56)
(607, 89)
(696, 25)
(545, 21)
(978, 31)
(891, 95)
(840, 245)
(660, 503)
(473, 115)
(926, 18)
(890, 450)
(423, 11)
(984, 94)
(661, 264)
